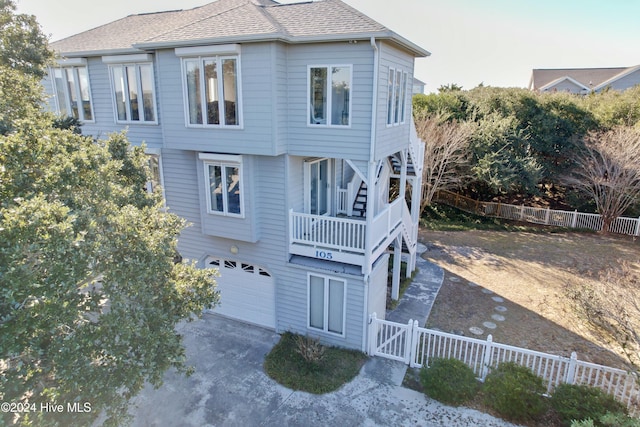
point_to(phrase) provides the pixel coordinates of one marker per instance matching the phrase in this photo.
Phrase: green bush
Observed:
(609, 420)
(580, 402)
(515, 392)
(449, 381)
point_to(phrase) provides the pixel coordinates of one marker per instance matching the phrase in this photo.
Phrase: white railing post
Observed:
(407, 342)
(574, 221)
(521, 212)
(291, 228)
(637, 233)
(546, 216)
(571, 369)
(488, 355)
(413, 345)
(373, 333)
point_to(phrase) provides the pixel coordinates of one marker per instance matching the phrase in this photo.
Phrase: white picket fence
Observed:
(545, 216)
(416, 346)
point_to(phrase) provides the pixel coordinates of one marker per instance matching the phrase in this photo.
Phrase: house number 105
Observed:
(324, 255)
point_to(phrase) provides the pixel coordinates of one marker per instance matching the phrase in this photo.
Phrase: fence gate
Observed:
(390, 340)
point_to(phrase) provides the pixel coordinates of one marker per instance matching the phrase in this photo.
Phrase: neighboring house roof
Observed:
(224, 21)
(590, 79)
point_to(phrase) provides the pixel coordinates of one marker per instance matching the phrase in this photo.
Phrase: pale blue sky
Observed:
(497, 42)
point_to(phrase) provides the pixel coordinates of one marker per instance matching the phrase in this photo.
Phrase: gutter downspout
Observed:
(366, 267)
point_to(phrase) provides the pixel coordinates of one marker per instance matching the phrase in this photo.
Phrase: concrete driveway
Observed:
(230, 388)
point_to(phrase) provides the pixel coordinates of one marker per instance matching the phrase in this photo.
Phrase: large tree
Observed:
(608, 171)
(90, 286)
(446, 153)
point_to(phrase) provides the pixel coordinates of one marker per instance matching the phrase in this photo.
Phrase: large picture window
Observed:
(134, 93)
(223, 182)
(330, 95)
(72, 92)
(327, 296)
(212, 91)
(396, 96)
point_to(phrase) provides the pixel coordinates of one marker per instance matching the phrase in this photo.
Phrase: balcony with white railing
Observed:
(343, 239)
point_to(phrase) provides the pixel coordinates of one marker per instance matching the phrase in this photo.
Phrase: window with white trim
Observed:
(155, 168)
(330, 95)
(212, 91)
(396, 96)
(133, 92)
(223, 184)
(72, 92)
(326, 303)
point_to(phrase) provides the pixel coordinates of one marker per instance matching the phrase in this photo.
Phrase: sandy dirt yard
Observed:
(517, 281)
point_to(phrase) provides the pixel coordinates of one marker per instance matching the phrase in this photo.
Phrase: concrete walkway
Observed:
(230, 388)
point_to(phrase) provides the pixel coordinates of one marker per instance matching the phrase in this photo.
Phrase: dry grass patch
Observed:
(531, 272)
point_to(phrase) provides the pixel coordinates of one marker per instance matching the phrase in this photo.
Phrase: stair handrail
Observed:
(416, 148)
(409, 227)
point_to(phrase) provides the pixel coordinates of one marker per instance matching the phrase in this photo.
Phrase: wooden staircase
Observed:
(396, 166)
(360, 202)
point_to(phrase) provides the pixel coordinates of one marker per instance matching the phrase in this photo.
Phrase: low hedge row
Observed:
(516, 393)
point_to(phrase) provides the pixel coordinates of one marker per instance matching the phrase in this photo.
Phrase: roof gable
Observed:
(586, 77)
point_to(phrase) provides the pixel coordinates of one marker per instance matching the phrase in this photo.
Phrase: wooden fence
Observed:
(417, 346)
(558, 218)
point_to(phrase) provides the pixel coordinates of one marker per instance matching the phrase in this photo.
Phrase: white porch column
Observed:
(368, 238)
(397, 263)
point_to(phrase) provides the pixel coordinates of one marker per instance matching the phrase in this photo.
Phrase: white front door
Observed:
(318, 187)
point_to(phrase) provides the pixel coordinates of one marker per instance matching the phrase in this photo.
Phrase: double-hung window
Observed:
(396, 96)
(72, 91)
(330, 95)
(133, 88)
(223, 184)
(327, 297)
(212, 88)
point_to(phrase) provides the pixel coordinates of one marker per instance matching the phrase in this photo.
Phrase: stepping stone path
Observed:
(476, 331)
(495, 317)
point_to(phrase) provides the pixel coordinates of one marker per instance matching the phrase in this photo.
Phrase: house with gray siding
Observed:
(278, 132)
(584, 80)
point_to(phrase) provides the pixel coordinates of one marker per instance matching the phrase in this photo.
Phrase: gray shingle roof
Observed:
(224, 21)
(588, 77)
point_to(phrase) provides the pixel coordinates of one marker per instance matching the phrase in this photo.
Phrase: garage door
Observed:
(247, 292)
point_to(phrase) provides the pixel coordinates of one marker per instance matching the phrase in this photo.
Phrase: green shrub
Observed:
(580, 402)
(449, 381)
(515, 392)
(609, 420)
(619, 419)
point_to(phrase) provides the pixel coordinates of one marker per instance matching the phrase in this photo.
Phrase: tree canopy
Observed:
(90, 287)
(524, 142)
